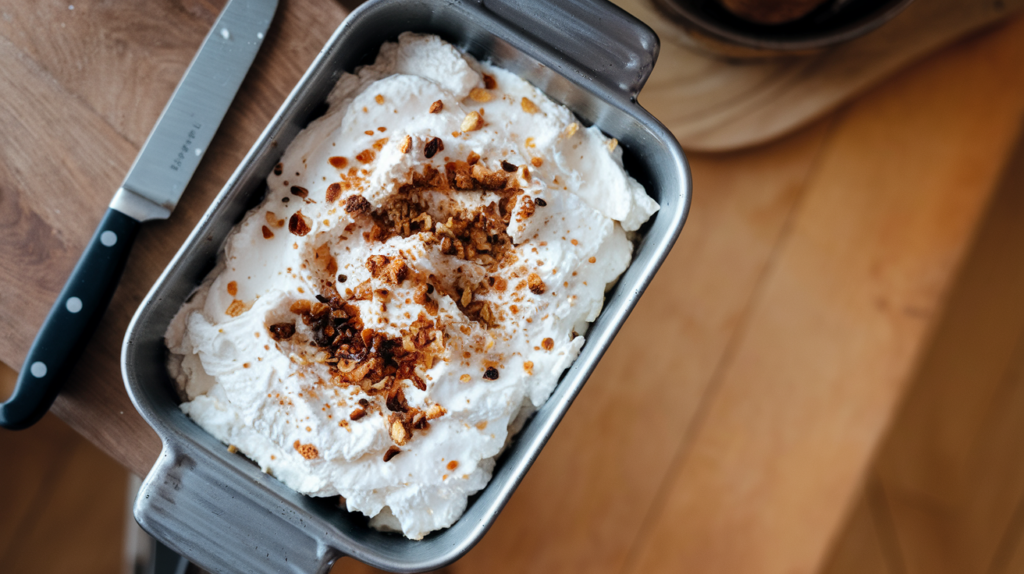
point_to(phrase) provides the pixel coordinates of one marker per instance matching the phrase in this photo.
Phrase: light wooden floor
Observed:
(945, 495)
(63, 501)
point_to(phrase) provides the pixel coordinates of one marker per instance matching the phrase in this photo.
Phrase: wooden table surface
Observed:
(730, 426)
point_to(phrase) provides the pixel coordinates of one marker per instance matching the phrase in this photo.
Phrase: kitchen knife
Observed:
(150, 191)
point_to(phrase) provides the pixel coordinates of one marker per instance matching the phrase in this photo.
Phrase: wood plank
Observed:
(93, 156)
(952, 464)
(76, 521)
(861, 547)
(832, 339)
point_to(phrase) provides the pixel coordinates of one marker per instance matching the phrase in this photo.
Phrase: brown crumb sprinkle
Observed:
(536, 161)
(548, 343)
(333, 192)
(308, 451)
(433, 146)
(282, 331)
(392, 451)
(379, 99)
(528, 106)
(366, 156)
(489, 82)
(452, 465)
(300, 191)
(338, 161)
(278, 169)
(236, 308)
(528, 367)
(436, 107)
(357, 204)
(535, 283)
(299, 224)
(472, 122)
(233, 288)
(480, 95)
(267, 233)
(406, 144)
(232, 448)
(491, 374)
(357, 414)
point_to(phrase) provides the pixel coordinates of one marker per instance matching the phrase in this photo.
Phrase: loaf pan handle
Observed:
(192, 505)
(599, 38)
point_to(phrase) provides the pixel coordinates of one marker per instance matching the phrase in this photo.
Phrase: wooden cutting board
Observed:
(713, 104)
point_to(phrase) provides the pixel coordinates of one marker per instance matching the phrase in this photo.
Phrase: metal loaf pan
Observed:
(217, 508)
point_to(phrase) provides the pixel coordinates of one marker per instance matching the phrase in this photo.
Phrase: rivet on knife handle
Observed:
(151, 190)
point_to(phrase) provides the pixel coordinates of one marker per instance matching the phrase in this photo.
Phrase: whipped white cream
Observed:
(383, 321)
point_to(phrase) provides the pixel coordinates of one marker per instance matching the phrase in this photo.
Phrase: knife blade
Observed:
(151, 190)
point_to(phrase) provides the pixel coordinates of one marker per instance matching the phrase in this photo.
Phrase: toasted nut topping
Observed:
(282, 331)
(480, 95)
(299, 224)
(236, 308)
(392, 451)
(453, 465)
(233, 288)
(232, 448)
(536, 161)
(548, 344)
(357, 204)
(396, 428)
(592, 260)
(489, 82)
(307, 451)
(357, 414)
(528, 367)
(436, 411)
(278, 169)
(508, 166)
(436, 107)
(535, 283)
(379, 99)
(491, 374)
(540, 202)
(365, 156)
(465, 378)
(433, 146)
(301, 307)
(300, 191)
(528, 106)
(333, 192)
(472, 158)
(406, 144)
(612, 144)
(272, 219)
(467, 297)
(472, 122)
(570, 130)
(337, 161)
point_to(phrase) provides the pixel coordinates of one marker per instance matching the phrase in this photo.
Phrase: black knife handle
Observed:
(71, 322)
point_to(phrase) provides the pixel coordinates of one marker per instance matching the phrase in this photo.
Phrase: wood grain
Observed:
(952, 467)
(714, 104)
(840, 320)
(75, 146)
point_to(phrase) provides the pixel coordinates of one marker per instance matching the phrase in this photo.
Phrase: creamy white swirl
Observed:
(423, 268)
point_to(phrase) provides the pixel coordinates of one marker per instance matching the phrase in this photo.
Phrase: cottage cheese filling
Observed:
(423, 268)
